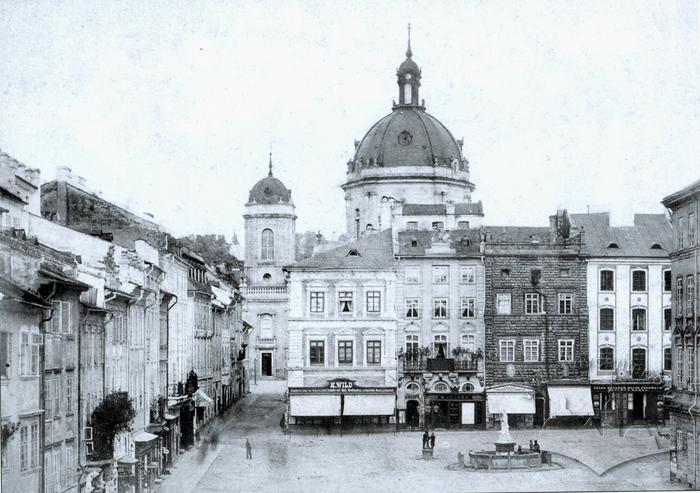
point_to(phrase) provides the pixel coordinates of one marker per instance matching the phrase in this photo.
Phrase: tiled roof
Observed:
(516, 234)
(418, 242)
(469, 208)
(373, 252)
(603, 240)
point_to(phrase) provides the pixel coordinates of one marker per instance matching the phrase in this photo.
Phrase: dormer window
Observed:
(354, 253)
(656, 246)
(613, 245)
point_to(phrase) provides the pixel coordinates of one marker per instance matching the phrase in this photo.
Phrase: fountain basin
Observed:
(488, 459)
(504, 448)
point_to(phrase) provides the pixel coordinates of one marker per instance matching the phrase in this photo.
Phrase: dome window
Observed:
(656, 246)
(267, 278)
(613, 245)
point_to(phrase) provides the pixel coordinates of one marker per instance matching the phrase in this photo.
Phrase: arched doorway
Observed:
(412, 415)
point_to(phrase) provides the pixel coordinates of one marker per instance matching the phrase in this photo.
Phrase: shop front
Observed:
(148, 456)
(455, 410)
(569, 405)
(628, 403)
(518, 401)
(342, 406)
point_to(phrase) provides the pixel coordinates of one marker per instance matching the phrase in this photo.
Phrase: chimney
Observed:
(63, 173)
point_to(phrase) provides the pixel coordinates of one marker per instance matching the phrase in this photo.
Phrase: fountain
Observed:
(504, 457)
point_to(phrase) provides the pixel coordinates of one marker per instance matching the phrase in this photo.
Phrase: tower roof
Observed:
(269, 190)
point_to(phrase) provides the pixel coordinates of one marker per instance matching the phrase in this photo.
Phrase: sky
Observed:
(171, 107)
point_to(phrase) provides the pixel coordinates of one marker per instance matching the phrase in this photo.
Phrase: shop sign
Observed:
(340, 384)
(619, 387)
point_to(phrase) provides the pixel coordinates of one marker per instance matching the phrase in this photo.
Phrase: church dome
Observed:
(269, 190)
(408, 136)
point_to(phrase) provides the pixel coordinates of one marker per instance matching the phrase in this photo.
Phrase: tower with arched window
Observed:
(269, 246)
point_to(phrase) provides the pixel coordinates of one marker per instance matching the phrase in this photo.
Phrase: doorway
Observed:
(638, 406)
(412, 417)
(266, 364)
(539, 410)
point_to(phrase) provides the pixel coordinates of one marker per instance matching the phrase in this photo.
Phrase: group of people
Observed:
(428, 440)
(534, 447)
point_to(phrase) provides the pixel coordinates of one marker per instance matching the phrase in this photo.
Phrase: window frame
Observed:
(504, 296)
(611, 359)
(412, 305)
(438, 304)
(567, 345)
(467, 274)
(664, 274)
(667, 321)
(317, 351)
(669, 359)
(374, 352)
(373, 301)
(507, 345)
(532, 301)
(317, 297)
(345, 352)
(528, 346)
(600, 318)
(438, 278)
(644, 273)
(601, 283)
(267, 245)
(567, 299)
(467, 304)
(634, 319)
(412, 280)
(346, 296)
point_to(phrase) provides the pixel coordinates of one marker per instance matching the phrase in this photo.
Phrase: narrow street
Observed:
(584, 459)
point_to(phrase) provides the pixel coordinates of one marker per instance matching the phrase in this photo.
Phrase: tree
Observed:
(214, 249)
(111, 417)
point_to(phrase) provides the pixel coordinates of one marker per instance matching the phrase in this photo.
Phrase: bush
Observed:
(111, 417)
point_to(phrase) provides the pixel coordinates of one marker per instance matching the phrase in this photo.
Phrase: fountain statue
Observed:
(505, 442)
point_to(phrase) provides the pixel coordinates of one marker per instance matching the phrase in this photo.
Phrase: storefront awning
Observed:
(570, 401)
(511, 402)
(143, 436)
(369, 405)
(314, 405)
(202, 399)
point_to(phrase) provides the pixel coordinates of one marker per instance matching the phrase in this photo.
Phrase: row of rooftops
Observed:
(589, 235)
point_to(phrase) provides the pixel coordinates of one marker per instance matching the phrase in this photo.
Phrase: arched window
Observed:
(407, 96)
(412, 388)
(639, 362)
(606, 359)
(467, 387)
(265, 326)
(607, 319)
(639, 280)
(441, 387)
(267, 245)
(639, 319)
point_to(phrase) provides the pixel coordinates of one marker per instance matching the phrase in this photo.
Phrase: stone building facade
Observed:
(685, 269)
(536, 324)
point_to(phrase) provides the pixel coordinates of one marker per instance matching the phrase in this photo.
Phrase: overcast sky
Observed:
(172, 107)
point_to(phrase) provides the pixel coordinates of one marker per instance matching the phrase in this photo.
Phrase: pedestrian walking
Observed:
(426, 439)
(432, 440)
(248, 450)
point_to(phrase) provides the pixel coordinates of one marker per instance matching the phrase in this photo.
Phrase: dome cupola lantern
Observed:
(408, 78)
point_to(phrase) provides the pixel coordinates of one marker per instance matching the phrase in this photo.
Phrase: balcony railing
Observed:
(268, 342)
(266, 290)
(427, 363)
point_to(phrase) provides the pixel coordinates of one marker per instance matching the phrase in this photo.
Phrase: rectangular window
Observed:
(606, 359)
(412, 225)
(374, 352)
(462, 224)
(24, 363)
(532, 303)
(374, 299)
(639, 280)
(412, 307)
(345, 302)
(564, 273)
(468, 307)
(503, 303)
(667, 359)
(639, 319)
(438, 225)
(34, 444)
(467, 274)
(679, 365)
(506, 350)
(48, 398)
(411, 343)
(70, 463)
(440, 274)
(679, 296)
(668, 281)
(566, 350)
(317, 302)
(35, 358)
(439, 307)
(607, 319)
(56, 395)
(689, 296)
(531, 350)
(344, 352)
(566, 303)
(316, 352)
(691, 229)
(69, 393)
(469, 342)
(681, 233)
(668, 319)
(607, 280)
(5, 354)
(24, 447)
(412, 274)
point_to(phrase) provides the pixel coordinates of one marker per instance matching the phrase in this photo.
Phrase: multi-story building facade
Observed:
(629, 314)
(342, 337)
(269, 246)
(440, 309)
(685, 269)
(536, 324)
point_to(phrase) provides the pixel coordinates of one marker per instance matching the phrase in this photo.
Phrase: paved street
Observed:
(585, 459)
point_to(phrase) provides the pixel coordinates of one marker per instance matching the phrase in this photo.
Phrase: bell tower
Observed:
(408, 78)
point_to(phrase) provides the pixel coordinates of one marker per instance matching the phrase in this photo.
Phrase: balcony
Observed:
(425, 363)
(265, 291)
(266, 342)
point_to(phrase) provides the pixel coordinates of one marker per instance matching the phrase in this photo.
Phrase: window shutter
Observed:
(56, 318)
(66, 318)
(5, 353)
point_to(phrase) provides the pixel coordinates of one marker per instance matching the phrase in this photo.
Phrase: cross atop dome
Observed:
(408, 78)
